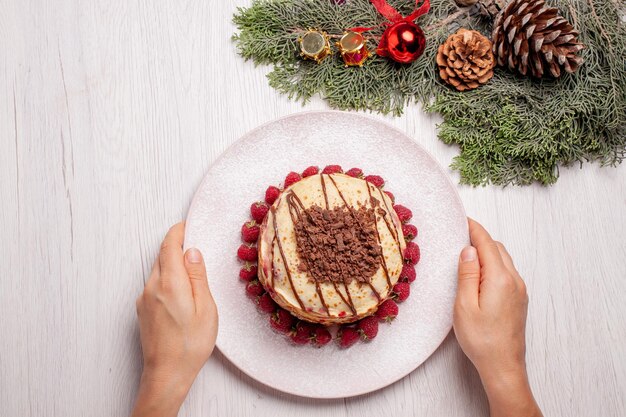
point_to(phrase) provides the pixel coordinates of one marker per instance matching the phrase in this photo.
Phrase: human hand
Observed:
(490, 323)
(178, 326)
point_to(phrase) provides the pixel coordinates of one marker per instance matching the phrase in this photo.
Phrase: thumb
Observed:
(194, 263)
(469, 276)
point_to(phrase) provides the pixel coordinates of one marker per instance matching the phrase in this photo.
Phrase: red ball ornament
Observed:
(403, 42)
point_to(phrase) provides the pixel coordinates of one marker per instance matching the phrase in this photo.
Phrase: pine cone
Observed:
(529, 36)
(465, 60)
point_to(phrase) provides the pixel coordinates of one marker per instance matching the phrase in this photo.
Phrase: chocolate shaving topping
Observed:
(339, 244)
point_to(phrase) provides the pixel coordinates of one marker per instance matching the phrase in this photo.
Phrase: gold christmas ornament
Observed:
(314, 45)
(534, 39)
(465, 60)
(353, 49)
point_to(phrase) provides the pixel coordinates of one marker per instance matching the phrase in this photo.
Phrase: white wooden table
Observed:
(110, 114)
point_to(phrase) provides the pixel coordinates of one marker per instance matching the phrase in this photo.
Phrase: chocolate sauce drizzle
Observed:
(272, 251)
(349, 301)
(374, 203)
(296, 208)
(324, 190)
(376, 293)
(282, 255)
(392, 230)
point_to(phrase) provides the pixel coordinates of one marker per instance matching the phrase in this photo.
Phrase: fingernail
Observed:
(468, 254)
(194, 256)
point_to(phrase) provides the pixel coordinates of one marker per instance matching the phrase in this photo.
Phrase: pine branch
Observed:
(512, 130)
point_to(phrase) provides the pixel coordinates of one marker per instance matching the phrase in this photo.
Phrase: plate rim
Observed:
(264, 125)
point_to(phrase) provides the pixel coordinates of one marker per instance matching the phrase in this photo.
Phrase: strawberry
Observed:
(408, 273)
(391, 196)
(348, 336)
(321, 336)
(302, 334)
(259, 210)
(332, 169)
(312, 170)
(248, 272)
(404, 214)
(355, 172)
(250, 232)
(376, 180)
(387, 311)
(247, 252)
(401, 291)
(368, 327)
(281, 321)
(254, 289)
(266, 304)
(409, 231)
(292, 178)
(271, 194)
(412, 253)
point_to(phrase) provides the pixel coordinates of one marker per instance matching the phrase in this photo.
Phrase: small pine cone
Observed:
(465, 60)
(530, 37)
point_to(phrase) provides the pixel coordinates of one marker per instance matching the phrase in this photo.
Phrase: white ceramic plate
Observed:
(263, 157)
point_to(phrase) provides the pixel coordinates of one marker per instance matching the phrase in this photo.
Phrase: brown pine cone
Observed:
(465, 60)
(530, 37)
